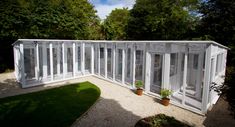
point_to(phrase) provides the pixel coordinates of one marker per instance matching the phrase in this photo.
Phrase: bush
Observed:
(160, 120)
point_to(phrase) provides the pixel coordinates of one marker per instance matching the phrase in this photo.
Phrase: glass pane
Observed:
(40, 60)
(173, 65)
(128, 66)
(156, 73)
(87, 58)
(129, 63)
(29, 63)
(54, 50)
(109, 63)
(70, 59)
(48, 61)
(119, 65)
(79, 58)
(139, 65)
(176, 78)
(102, 66)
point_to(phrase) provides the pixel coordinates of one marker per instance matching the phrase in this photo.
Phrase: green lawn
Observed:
(49, 108)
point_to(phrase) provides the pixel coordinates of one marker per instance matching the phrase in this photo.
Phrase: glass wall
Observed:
(191, 94)
(102, 62)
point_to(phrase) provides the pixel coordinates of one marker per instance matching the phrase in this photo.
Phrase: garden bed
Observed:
(160, 120)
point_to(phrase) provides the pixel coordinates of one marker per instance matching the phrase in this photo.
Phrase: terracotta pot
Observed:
(139, 92)
(165, 101)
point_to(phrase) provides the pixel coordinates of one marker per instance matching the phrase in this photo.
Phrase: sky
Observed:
(104, 7)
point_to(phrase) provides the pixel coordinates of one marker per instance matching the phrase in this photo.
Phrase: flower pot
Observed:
(139, 92)
(165, 101)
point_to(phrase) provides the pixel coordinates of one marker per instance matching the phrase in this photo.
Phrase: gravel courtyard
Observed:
(117, 106)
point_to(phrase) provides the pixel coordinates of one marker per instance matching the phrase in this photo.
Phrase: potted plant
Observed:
(165, 93)
(139, 87)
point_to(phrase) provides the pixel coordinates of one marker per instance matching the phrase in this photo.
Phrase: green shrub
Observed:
(139, 84)
(165, 93)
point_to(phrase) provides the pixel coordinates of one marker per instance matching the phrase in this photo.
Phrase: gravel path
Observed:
(117, 106)
(120, 107)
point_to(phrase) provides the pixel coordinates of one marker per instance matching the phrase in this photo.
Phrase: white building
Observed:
(188, 68)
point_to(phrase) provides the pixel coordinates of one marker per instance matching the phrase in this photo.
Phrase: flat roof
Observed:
(122, 41)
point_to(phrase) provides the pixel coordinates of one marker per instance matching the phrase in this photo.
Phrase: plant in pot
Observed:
(165, 93)
(139, 87)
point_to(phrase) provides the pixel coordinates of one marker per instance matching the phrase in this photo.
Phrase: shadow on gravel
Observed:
(8, 84)
(219, 116)
(107, 113)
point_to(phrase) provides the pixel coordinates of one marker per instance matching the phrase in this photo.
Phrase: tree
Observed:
(162, 19)
(218, 23)
(218, 20)
(60, 19)
(115, 24)
(46, 19)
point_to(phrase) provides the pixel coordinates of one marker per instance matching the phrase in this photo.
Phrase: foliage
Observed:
(115, 24)
(58, 19)
(227, 89)
(162, 19)
(160, 120)
(218, 23)
(218, 20)
(54, 107)
(165, 93)
(67, 19)
(139, 84)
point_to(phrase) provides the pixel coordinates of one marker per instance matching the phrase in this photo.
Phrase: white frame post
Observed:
(44, 59)
(185, 74)
(105, 60)
(207, 75)
(51, 62)
(166, 67)
(92, 59)
(98, 65)
(133, 64)
(22, 64)
(114, 61)
(63, 58)
(58, 59)
(147, 70)
(74, 60)
(83, 58)
(123, 66)
(37, 61)
(199, 75)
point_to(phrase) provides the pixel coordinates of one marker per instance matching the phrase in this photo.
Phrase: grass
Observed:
(58, 107)
(160, 120)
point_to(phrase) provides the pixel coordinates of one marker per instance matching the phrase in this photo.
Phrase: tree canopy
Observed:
(218, 20)
(68, 19)
(162, 19)
(115, 24)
